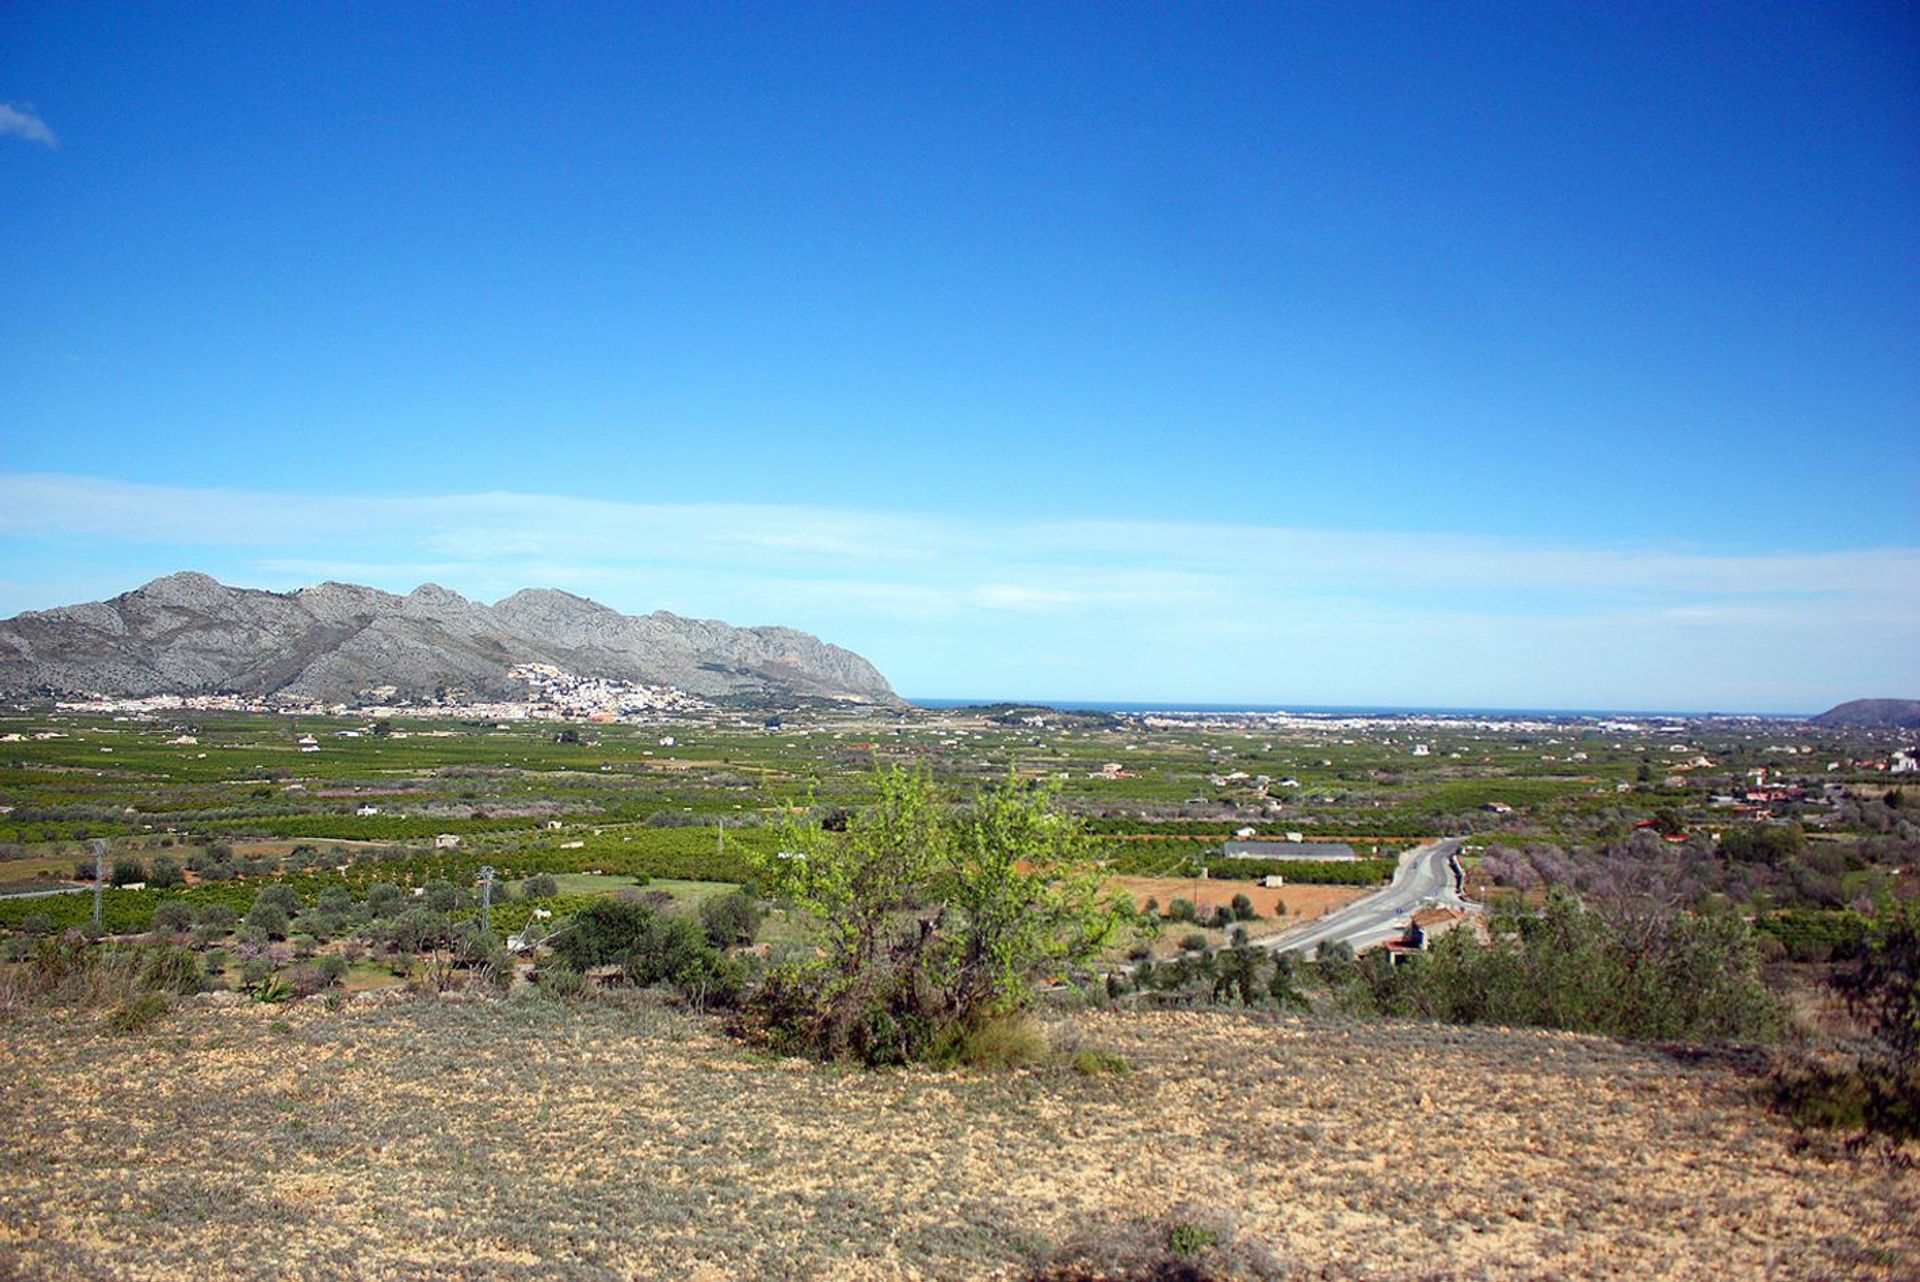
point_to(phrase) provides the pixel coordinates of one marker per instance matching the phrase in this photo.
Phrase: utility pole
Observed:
(486, 898)
(99, 879)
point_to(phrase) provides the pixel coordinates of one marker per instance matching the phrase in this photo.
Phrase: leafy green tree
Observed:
(127, 871)
(281, 896)
(931, 924)
(1028, 902)
(415, 930)
(175, 916)
(650, 948)
(542, 885)
(215, 917)
(335, 900)
(445, 897)
(385, 899)
(165, 873)
(268, 918)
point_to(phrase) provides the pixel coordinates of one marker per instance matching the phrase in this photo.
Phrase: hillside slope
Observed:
(534, 1139)
(1903, 713)
(187, 633)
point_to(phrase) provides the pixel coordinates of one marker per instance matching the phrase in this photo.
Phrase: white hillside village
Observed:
(553, 694)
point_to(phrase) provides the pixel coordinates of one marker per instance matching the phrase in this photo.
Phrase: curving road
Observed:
(1425, 876)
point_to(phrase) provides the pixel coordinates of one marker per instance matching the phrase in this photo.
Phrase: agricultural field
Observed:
(477, 986)
(234, 802)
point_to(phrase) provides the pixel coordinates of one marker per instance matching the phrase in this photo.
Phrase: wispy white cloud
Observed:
(1025, 562)
(1388, 617)
(20, 120)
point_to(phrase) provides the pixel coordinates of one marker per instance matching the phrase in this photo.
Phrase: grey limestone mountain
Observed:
(188, 634)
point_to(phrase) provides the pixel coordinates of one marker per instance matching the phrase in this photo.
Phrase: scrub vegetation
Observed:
(1028, 923)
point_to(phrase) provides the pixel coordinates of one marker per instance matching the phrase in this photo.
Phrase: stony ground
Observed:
(428, 1139)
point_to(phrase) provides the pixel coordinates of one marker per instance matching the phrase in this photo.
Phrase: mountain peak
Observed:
(181, 581)
(187, 633)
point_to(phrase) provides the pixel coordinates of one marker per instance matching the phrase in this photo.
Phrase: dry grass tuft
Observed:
(408, 1137)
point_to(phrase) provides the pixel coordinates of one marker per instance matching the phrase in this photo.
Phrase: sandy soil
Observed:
(418, 1138)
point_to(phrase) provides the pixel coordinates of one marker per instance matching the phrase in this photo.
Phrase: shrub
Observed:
(335, 901)
(1281, 984)
(730, 919)
(1001, 1041)
(267, 918)
(216, 916)
(445, 897)
(281, 896)
(1625, 970)
(1096, 1063)
(174, 916)
(1182, 910)
(334, 967)
(173, 970)
(384, 899)
(1242, 908)
(1883, 989)
(931, 924)
(1193, 942)
(1185, 1239)
(139, 1014)
(37, 924)
(306, 981)
(414, 930)
(558, 979)
(126, 871)
(540, 886)
(603, 932)
(650, 948)
(1190, 1244)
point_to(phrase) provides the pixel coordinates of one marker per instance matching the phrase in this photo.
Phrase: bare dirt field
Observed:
(1304, 903)
(420, 1138)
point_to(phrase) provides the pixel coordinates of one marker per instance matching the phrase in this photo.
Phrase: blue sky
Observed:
(1537, 355)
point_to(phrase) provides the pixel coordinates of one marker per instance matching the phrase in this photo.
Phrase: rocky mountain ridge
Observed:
(188, 633)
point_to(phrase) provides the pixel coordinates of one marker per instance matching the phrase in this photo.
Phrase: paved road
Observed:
(42, 894)
(1425, 876)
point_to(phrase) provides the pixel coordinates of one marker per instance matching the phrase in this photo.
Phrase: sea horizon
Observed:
(1336, 710)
